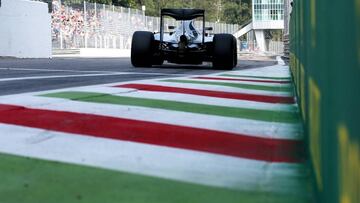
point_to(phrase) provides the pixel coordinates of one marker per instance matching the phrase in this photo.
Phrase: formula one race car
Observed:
(188, 43)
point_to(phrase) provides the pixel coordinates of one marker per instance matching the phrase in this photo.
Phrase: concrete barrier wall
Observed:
(325, 62)
(25, 29)
(105, 52)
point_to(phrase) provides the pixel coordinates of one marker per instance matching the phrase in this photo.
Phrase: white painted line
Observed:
(55, 70)
(89, 86)
(73, 76)
(171, 163)
(96, 72)
(56, 76)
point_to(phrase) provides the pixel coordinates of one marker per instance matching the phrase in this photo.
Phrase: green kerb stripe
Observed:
(260, 77)
(285, 88)
(34, 180)
(262, 115)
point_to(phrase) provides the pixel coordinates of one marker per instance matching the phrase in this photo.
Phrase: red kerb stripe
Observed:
(209, 93)
(244, 80)
(273, 150)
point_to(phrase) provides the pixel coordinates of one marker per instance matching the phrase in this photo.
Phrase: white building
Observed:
(266, 14)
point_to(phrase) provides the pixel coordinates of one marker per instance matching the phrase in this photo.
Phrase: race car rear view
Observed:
(187, 43)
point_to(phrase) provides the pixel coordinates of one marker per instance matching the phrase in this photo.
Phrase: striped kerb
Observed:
(286, 88)
(244, 80)
(273, 150)
(234, 112)
(257, 77)
(209, 93)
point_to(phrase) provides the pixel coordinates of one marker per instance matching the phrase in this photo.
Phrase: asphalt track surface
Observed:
(30, 75)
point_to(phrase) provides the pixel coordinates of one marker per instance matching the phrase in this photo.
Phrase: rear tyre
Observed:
(235, 52)
(142, 49)
(224, 52)
(157, 60)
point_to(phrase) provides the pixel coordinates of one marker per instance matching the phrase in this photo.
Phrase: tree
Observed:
(233, 13)
(101, 1)
(226, 11)
(151, 8)
(124, 3)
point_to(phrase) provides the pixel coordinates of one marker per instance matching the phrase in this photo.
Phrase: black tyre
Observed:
(142, 49)
(157, 60)
(224, 52)
(235, 52)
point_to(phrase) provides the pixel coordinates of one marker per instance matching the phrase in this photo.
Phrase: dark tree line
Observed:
(228, 11)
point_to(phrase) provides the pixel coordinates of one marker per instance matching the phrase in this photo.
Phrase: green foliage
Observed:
(225, 11)
(101, 1)
(124, 3)
(235, 14)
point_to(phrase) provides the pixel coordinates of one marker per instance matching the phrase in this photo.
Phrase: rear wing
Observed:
(181, 14)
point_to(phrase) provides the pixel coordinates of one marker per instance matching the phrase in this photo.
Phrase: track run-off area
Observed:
(98, 130)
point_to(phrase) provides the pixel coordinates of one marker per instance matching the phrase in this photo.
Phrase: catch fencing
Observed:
(91, 25)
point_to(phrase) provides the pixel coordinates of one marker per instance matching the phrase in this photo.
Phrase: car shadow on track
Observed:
(242, 65)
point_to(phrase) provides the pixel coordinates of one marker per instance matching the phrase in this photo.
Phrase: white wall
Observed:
(25, 29)
(106, 53)
(270, 24)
